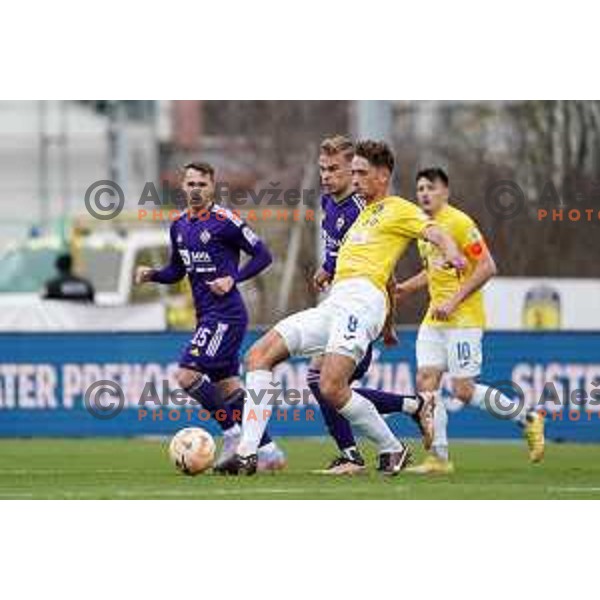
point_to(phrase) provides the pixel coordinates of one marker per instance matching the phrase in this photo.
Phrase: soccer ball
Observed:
(192, 450)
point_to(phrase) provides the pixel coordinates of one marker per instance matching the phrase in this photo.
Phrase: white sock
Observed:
(440, 429)
(232, 431)
(257, 411)
(362, 414)
(498, 404)
(270, 447)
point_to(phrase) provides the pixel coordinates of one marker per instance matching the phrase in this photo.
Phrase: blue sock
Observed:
(207, 393)
(384, 402)
(338, 426)
(235, 401)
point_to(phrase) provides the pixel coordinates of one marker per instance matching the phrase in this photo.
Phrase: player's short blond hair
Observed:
(338, 144)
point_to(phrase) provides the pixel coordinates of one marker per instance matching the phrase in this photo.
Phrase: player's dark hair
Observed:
(378, 154)
(202, 167)
(336, 145)
(64, 263)
(433, 174)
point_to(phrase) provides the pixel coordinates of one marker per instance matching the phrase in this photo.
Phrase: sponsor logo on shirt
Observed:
(197, 257)
(330, 241)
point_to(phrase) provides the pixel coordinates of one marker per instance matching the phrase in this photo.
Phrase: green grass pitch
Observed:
(137, 468)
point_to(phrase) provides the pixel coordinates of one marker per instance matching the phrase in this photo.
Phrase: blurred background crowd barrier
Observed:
(52, 152)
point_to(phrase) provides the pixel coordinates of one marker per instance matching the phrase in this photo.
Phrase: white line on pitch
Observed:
(573, 489)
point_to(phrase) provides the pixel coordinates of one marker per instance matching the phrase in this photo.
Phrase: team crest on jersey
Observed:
(474, 235)
(339, 223)
(205, 236)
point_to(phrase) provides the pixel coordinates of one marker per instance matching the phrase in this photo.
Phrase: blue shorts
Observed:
(363, 366)
(215, 349)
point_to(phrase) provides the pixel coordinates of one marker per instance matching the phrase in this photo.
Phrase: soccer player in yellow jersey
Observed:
(351, 317)
(449, 338)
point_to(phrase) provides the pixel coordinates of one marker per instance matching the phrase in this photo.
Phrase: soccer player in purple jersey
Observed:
(341, 206)
(206, 243)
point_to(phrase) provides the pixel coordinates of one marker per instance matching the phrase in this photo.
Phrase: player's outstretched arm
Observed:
(484, 270)
(142, 274)
(438, 237)
(321, 279)
(260, 259)
(240, 236)
(411, 285)
(173, 272)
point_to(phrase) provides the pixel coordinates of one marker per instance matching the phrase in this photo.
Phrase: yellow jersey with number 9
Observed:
(444, 281)
(378, 238)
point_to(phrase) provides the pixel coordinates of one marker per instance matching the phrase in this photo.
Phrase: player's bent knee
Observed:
(427, 381)
(253, 359)
(257, 358)
(335, 392)
(186, 377)
(266, 353)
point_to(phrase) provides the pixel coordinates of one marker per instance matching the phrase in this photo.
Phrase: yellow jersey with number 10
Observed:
(378, 238)
(444, 281)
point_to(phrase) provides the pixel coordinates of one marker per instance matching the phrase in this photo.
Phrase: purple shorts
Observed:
(215, 349)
